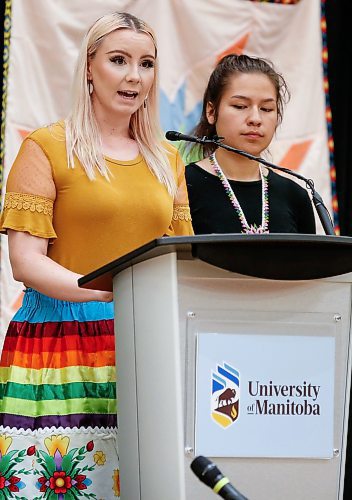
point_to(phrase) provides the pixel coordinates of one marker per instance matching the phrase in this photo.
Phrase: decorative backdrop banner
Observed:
(191, 36)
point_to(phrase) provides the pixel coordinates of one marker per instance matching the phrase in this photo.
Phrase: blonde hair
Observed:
(83, 138)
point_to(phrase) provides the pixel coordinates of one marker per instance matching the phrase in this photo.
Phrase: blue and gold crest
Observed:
(225, 395)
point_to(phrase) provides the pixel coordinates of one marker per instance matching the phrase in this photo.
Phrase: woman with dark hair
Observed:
(229, 193)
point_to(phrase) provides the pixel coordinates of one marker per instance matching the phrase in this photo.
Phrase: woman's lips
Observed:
(253, 135)
(127, 94)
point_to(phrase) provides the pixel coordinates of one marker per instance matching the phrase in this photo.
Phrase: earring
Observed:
(90, 87)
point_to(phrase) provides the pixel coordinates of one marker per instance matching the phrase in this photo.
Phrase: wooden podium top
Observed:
(269, 256)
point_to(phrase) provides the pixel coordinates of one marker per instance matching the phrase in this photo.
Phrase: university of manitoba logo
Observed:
(225, 395)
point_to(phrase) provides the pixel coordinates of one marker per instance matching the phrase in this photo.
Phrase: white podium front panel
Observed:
(163, 305)
(212, 300)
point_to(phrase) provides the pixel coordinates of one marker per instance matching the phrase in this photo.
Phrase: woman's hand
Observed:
(31, 265)
(104, 296)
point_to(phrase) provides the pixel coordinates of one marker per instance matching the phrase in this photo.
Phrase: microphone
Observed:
(321, 209)
(172, 135)
(210, 475)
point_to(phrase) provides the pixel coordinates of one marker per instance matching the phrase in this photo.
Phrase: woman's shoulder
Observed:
(170, 148)
(195, 170)
(52, 133)
(288, 187)
(285, 181)
(192, 168)
(173, 154)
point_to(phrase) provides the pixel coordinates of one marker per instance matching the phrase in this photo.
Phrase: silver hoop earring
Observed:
(90, 87)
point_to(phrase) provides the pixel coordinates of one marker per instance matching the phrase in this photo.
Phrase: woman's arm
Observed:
(31, 265)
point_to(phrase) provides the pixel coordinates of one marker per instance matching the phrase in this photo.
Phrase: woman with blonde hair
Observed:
(81, 193)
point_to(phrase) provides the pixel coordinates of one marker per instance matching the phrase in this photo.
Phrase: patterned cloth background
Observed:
(192, 36)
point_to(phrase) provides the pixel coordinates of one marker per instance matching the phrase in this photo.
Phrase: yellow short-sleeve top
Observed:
(90, 223)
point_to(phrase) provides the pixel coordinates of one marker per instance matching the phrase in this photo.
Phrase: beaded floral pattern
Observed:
(60, 471)
(246, 228)
(11, 473)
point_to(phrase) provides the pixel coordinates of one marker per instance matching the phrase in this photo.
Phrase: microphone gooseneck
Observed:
(209, 474)
(321, 209)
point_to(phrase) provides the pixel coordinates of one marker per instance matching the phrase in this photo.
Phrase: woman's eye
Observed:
(118, 59)
(239, 106)
(147, 63)
(267, 110)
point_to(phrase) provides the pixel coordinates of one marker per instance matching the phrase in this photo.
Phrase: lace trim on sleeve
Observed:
(182, 212)
(31, 202)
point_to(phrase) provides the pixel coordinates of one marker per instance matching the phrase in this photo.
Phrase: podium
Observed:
(256, 324)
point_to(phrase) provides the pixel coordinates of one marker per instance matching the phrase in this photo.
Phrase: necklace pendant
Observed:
(253, 229)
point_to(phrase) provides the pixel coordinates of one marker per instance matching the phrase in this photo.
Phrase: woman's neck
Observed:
(115, 137)
(113, 128)
(236, 167)
(119, 148)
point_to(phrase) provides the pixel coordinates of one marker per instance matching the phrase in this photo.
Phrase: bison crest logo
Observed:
(225, 395)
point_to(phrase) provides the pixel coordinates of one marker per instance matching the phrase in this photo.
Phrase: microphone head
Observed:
(199, 464)
(206, 470)
(172, 135)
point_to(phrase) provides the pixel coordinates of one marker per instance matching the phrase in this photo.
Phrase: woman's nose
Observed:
(133, 74)
(254, 116)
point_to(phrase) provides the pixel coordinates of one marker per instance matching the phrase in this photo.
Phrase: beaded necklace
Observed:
(246, 228)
